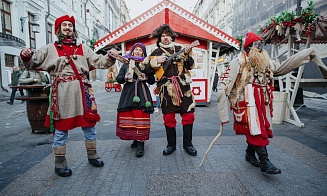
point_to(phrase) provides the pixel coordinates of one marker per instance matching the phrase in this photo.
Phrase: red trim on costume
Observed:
(69, 123)
(133, 125)
(24, 58)
(261, 108)
(224, 75)
(257, 140)
(69, 50)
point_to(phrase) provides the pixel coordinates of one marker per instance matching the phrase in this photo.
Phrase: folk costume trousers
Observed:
(170, 120)
(60, 137)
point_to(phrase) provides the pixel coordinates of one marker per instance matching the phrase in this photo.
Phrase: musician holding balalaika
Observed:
(171, 64)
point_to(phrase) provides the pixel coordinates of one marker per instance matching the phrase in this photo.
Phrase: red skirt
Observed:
(133, 125)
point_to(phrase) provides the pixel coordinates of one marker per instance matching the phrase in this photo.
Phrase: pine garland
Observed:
(289, 23)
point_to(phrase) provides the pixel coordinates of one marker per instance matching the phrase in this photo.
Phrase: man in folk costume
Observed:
(248, 83)
(173, 86)
(135, 103)
(72, 99)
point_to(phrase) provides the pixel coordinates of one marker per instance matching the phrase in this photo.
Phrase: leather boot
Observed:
(92, 156)
(61, 167)
(140, 149)
(171, 139)
(134, 144)
(187, 140)
(265, 164)
(250, 156)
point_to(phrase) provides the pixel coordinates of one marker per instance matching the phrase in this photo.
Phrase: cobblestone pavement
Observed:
(27, 163)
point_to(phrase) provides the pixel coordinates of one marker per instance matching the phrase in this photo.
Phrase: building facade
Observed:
(218, 13)
(30, 24)
(236, 17)
(251, 15)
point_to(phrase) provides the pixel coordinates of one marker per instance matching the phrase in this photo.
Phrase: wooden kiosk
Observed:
(213, 42)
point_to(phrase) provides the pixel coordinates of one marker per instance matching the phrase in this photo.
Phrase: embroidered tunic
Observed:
(69, 100)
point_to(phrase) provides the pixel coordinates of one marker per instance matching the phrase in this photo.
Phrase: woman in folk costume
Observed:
(248, 83)
(72, 99)
(135, 104)
(173, 87)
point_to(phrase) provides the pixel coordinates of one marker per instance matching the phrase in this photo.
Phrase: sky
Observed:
(137, 7)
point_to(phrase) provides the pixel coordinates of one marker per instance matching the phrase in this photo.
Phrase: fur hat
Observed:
(62, 19)
(250, 38)
(163, 29)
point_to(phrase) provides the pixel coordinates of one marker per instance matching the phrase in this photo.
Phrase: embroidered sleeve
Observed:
(97, 61)
(40, 59)
(228, 78)
(225, 85)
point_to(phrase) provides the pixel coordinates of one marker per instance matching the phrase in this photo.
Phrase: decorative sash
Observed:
(90, 114)
(54, 102)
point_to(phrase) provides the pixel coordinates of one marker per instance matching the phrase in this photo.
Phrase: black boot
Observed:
(140, 149)
(265, 164)
(171, 139)
(187, 140)
(250, 156)
(134, 144)
(61, 167)
(92, 156)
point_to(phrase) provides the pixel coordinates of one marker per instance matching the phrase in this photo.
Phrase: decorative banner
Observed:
(200, 90)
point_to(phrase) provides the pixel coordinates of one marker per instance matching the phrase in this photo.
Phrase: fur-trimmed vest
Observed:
(242, 79)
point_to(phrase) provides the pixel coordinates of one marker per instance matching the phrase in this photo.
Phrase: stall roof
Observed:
(166, 12)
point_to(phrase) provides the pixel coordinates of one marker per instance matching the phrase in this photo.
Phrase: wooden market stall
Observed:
(213, 42)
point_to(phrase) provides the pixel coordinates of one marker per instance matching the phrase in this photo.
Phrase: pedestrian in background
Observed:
(215, 82)
(14, 82)
(72, 98)
(135, 103)
(33, 77)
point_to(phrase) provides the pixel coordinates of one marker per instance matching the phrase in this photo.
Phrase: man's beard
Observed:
(70, 36)
(259, 59)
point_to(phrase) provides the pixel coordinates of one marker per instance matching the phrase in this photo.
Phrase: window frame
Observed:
(32, 36)
(3, 18)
